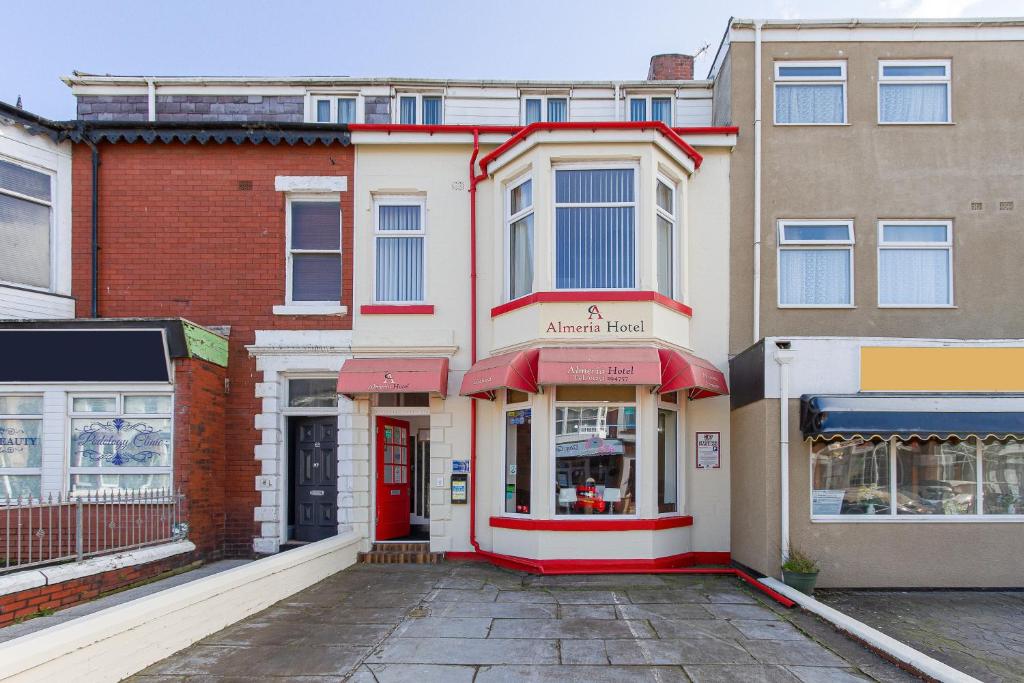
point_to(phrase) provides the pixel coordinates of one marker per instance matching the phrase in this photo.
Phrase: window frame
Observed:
(935, 246)
(332, 98)
(915, 80)
(70, 415)
(27, 471)
(680, 461)
(555, 205)
(892, 517)
(510, 220)
(544, 107)
(52, 256)
(676, 290)
(400, 200)
(817, 245)
(506, 408)
(288, 409)
(841, 79)
(649, 107)
(332, 197)
(396, 116)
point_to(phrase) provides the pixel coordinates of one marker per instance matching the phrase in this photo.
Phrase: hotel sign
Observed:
(589, 321)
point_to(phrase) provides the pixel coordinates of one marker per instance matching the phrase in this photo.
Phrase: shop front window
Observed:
(1002, 491)
(936, 477)
(518, 431)
(21, 447)
(595, 452)
(668, 478)
(850, 478)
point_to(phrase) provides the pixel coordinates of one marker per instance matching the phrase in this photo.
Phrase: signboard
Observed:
(460, 489)
(709, 450)
(827, 501)
(460, 466)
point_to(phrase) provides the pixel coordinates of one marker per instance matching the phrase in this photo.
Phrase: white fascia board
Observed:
(109, 89)
(347, 81)
(716, 140)
(311, 183)
(382, 138)
(867, 32)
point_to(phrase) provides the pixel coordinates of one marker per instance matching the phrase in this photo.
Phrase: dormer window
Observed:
(334, 108)
(651, 109)
(416, 109)
(547, 109)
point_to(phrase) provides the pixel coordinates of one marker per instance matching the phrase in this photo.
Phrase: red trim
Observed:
(591, 296)
(594, 126)
(385, 309)
(708, 130)
(591, 524)
(416, 128)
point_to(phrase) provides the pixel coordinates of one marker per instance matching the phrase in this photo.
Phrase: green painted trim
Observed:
(204, 344)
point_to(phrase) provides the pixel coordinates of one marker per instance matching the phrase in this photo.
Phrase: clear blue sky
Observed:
(534, 39)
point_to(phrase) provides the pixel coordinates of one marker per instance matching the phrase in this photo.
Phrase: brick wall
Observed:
(29, 602)
(179, 238)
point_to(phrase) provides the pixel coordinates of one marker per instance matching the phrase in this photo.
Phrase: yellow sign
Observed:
(904, 368)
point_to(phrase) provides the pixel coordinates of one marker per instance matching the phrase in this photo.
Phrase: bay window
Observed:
(120, 442)
(915, 263)
(518, 452)
(595, 240)
(815, 263)
(810, 93)
(666, 231)
(26, 205)
(21, 447)
(519, 221)
(400, 233)
(914, 91)
(314, 249)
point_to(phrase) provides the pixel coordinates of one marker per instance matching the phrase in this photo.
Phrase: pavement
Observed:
(470, 621)
(977, 632)
(39, 623)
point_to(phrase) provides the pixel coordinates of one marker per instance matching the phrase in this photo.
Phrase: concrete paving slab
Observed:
(735, 596)
(732, 673)
(587, 612)
(677, 651)
(270, 632)
(454, 651)
(695, 628)
(570, 628)
(798, 653)
(263, 662)
(824, 674)
(762, 629)
(667, 595)
(583, 652)
(421, 673)
(596, 581)
(589, 597)
(489, 594)
(662, 611)
(721, 611)
(580, 674)
(506, 610)
(527, 596)
(444, 627)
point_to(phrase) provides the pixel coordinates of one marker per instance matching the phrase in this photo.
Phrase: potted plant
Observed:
(800, 571)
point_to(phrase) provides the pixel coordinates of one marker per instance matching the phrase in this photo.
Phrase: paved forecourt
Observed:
(470, 621)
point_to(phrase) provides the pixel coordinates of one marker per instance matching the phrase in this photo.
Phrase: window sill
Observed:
(594, 523)
(917, 123)
(919, 519)
(917, 307)
(312, 309)
(397, 309)
(813, 125)
(798, 307)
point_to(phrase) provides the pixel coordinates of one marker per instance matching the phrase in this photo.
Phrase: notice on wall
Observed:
(460, 466)
(827, 501)
(709, 450)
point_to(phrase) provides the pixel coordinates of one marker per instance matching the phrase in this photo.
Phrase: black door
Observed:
(315, 480)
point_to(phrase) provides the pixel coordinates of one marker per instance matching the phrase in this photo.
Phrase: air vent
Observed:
(245, 185)
(1006, 206)
(977, 206)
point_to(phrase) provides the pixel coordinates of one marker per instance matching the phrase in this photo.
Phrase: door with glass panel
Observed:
(392, 478)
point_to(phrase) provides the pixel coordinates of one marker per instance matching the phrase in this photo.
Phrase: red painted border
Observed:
(591, 524)
(384, 309)
(589, 297)
(509, 130)
(708, 130)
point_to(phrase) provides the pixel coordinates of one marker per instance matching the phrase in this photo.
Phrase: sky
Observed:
(525, 39)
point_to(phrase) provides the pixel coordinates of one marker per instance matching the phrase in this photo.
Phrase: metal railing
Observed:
(62, 527)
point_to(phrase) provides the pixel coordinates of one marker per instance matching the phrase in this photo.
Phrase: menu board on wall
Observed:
(709, 450)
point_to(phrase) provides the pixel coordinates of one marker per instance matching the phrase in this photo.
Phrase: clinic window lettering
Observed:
(21, 447)
(917, 478)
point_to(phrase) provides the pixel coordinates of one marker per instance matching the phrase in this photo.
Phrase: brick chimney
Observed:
(673, 67)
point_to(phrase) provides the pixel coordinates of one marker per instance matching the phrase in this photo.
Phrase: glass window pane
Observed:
(21, 443)
(521, 257)
(665, 257)
(913, 103)
(432, 111)
(23, 486)
(807, 103)
(521, 197)
(518, 429)
(407, 110)
(595, 461)
(810, 71)
(850, 478)
(936, 477)
(661, 110)
(147, 405)
(665, 200)
(94, 404)
(400, 217)
(594, 248)
(24, 181)
(312, 393)
(346, 110)
(533, 109)
(323, 111)
(668, 479)
(816, 233)
(558, 109)
(914, 70)
(24, 241)
(914, 233)
(913, 277)
(316, 225)
(399, 269)
(21, 405)
(316, 277)
(109, 482)
(120, 442)
(638, 109)
(589, 186)
(814, 277)
(1003, 487)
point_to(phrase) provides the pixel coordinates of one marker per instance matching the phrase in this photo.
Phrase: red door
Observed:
(392, 478)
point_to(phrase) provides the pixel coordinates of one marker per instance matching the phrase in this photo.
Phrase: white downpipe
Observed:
(784, 357)
(618, 104)
(151, 91)
(757, 180)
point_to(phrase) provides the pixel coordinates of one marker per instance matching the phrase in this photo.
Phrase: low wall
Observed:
(122, 640)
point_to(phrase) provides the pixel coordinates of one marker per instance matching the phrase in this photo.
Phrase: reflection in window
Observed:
(21, 447)
(1002, 489)
(667, 476)
(936, 477)
(595, 459)
(850, 478)
(312, 393)
(518, 429)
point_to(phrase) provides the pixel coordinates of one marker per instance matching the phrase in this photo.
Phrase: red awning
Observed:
(599, 366)
(393, 376)
(515, 370)
(683, 371)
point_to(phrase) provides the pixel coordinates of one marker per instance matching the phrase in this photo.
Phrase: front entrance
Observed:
(393, 465)
(315, 477)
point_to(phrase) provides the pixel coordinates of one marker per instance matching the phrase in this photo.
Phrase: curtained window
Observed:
(532, 108)
(660, 109)
(407, 109)
(26, 205)
(638, 109)
(334, 109)
(595, 241)
(815, 263)
(666, 229)
(537, 108)
(915, 262)
(914, 92)
(558, 109)
(810, 93)
(399, 244)
(519, 219)
(432, 111)
(314, 249)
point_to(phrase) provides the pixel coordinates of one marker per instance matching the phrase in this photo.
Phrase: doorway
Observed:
(402, 464)
(314, 477)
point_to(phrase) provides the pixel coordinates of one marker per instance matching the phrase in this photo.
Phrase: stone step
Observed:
(401, 547)
(400, 557)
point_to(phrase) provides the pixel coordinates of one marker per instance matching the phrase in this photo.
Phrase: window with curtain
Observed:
(400, 255)
(816, 263)
(432, 110)
(520, 239)
(532, 107)
(407, 109)
(595, 240)
(334, 109)
(661, 110)
(914, 91)
(558, 109)
(666, 229)
(638, 109)
(810, 92)
(314, 250)
(915, 264)
(21, 447)
(346, 110)
(26, 204)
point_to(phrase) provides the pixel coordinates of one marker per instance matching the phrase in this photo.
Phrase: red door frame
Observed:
(392, 477)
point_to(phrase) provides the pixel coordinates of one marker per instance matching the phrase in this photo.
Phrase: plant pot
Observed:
(802, 581)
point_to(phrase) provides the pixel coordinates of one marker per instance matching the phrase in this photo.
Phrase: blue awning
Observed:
(921, 415)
